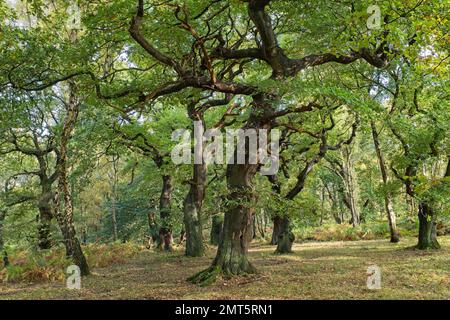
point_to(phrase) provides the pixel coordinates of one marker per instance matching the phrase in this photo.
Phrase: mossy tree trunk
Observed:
(44, 234)
(45, 211)
(237, 231)
(192, 221)
(428, 222)
(285, 238)
(45, 200)
(165, 230)
(277, 220)
(427, 228)
(216, 228)
(193, 203)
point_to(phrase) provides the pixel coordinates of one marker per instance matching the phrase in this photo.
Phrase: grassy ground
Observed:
(325, 270)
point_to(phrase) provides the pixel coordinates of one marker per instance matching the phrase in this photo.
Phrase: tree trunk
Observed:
(391, 218)
(114, 217)
(350, 187)
(45, 218)
(216, 228)
(182, 236)
(65, 217)
(388, 196)
(192, 207)
(238, 222)
(231, 257)
(194, 230)
(165, 231)
(153, 228)
(277, 221)
(45, 206)
(428, 222)
(262, 224)
(427, 228)
(2, 243)
(113, 184)
(285, 238)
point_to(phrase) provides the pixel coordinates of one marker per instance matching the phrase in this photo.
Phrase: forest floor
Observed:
(316, 270)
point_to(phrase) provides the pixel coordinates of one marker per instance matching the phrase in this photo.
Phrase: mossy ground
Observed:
(325, 270)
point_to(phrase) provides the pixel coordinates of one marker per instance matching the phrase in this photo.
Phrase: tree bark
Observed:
(2, 243)
(194, 230)
(238, 222)
(65, 216)
(277, 220)
(231, 257)
(285, 238)
(45, 211)
(165, 230)
(427, 228)
(428, 222)
(153, 228)
(44, 235)
(335, 204)
(388, 196)
(216, 228)
(114, 217)
(192, 207)
(349, 183)
(261, 224)
(113, 184)
(45, 201)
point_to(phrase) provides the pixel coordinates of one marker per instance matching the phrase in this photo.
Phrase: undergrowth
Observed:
(50, 265)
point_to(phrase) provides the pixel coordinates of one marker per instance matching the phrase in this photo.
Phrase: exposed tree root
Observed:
(206, 277)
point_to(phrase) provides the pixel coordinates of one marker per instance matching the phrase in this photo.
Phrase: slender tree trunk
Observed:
(276, 218)
(350, 191)
(153, 228)
(165, 230)
(113, 183)
(216, 228)
(335, 209)
(388, 196)
(65, 216)
(2, 243)
(322, 208)
(114, 217)
(447, 172)
(261, 225)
